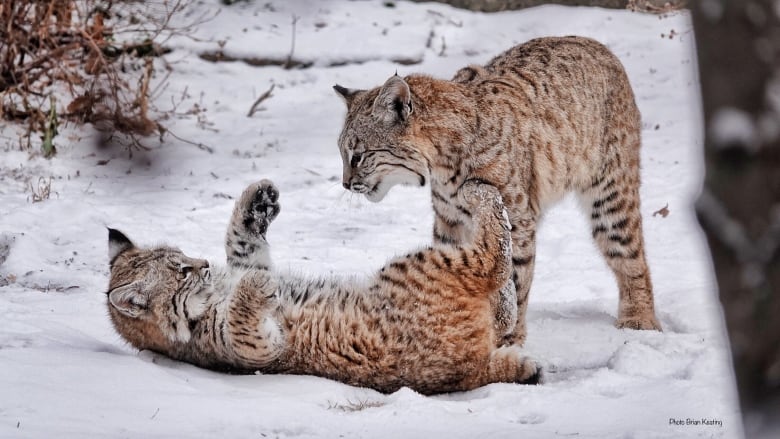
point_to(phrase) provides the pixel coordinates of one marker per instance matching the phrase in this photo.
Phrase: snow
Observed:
(65, 373)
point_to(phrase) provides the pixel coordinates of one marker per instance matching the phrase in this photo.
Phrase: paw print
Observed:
(262, 206)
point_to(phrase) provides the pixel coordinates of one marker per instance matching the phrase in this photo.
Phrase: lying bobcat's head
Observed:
(376, 143)
(154, 295)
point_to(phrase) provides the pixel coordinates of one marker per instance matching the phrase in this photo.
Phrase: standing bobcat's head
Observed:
(154, 295)
(377, 144)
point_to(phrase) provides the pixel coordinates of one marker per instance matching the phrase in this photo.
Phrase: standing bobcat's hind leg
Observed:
(617, 229)
(245, 243)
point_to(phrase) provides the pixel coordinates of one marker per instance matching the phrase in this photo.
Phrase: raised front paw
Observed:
(482, 197)
(261, 206)
(477, 193)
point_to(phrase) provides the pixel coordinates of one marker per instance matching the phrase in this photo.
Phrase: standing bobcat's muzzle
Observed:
(358, 188)
(352, 182)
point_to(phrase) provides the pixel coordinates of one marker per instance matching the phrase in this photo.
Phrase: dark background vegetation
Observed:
(739, 210)
(504, 5)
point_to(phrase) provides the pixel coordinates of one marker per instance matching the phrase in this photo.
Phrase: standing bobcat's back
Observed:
(547, 117)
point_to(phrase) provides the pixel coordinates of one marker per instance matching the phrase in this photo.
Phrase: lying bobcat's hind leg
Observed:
(507, 364)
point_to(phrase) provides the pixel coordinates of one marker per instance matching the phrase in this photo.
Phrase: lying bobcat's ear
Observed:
(129, 300)
(394, 103)
(348, 94)
(118, 243)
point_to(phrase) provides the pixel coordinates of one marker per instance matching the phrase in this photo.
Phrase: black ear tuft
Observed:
(118, 243)
(348, 94)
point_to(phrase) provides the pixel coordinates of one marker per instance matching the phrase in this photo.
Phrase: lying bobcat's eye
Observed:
(357, 158)
(184, 271)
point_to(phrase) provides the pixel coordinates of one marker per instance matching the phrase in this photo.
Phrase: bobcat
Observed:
(547, 117)
(425, 321)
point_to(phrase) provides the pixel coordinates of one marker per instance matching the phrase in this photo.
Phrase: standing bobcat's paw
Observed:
(261, 206)
(647, 323)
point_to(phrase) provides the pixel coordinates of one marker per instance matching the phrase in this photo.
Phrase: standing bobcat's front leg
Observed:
(523, 257)
(245, 243)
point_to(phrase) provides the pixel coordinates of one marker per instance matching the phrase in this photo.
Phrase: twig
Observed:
(288, 64)
(143, 94)
(262, 97)
(206, 148)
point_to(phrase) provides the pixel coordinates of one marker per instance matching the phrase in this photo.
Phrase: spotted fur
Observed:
(426, 320)
(551, 116)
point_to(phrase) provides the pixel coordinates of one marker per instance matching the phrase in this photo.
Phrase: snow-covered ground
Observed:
(65, 373)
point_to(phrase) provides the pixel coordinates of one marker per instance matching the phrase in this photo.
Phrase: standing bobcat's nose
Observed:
(346, 185)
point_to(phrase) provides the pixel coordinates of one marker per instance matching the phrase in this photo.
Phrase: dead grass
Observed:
(98, 53)
(350, 407)
(42, 191)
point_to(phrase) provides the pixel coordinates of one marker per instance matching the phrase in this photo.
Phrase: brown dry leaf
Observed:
(664, 211)
(82, 105)
(96, 30)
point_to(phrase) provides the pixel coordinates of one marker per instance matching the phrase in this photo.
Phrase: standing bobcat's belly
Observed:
(551, 116)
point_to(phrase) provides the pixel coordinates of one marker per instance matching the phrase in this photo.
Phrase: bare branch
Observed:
(262, 97)
(288, 64)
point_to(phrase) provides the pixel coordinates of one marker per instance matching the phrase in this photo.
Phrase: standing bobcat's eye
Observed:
(356, 159)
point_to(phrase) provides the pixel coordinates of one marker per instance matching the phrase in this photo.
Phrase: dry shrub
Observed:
(98, 55)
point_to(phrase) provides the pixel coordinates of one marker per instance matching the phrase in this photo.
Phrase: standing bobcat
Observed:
(547, 117)
(426, 320)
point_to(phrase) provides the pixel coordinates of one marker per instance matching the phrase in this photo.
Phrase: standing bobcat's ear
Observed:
(118, 243)
(394, 103)
(348, 94)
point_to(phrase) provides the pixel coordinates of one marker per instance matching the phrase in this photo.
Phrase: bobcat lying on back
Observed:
(426, 320)
(547, 117)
